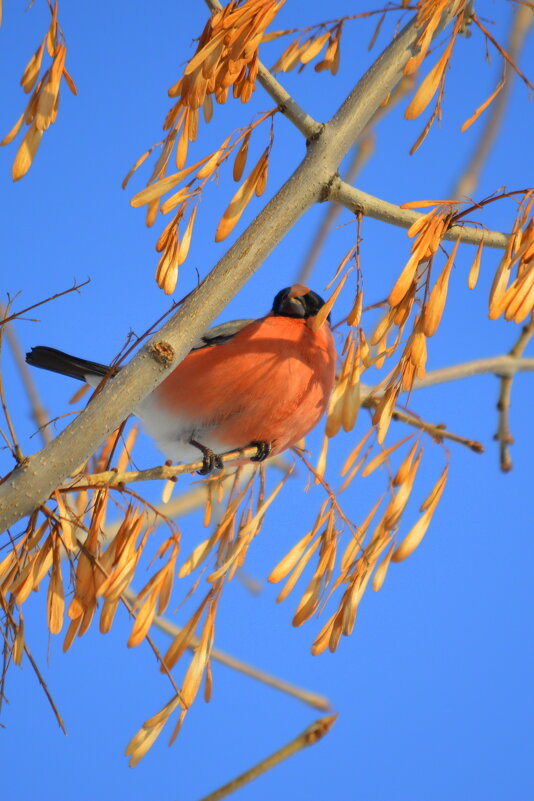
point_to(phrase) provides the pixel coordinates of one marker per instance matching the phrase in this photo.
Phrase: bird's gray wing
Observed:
(220, 334)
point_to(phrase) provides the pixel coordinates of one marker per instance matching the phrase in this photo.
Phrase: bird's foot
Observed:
(263, 449)
(210, 460)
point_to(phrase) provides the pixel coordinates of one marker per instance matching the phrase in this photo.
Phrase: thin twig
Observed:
(74, 288)
(36, 670)
(497, 365)
(502, 51)
(437, 430)
(313, 699)
(356, 200)
(309, 736)
(189, 501)
(504, 434)
(522, 21)
(369, 400)
(111, 478)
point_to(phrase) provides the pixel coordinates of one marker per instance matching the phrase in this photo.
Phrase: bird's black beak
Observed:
(288, 306)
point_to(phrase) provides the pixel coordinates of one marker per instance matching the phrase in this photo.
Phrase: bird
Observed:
(262, 382)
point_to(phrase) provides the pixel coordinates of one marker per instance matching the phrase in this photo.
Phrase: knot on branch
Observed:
(315, 136)
(162, 352)
(326, 191)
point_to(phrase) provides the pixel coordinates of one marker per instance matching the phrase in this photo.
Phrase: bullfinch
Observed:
(263, 382)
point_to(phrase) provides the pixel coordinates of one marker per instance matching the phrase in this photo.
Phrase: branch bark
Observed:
(31, 483)
(495, 365)
(356, 200)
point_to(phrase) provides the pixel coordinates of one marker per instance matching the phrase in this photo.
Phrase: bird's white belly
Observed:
(172, 433)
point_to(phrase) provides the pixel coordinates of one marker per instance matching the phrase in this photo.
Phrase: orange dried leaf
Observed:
(437, 490)
(32, 70)
(56, 595)
(127, 449)
(482, 108)
(429, 86)
(475, 267)
(419, 204)
(69, 81)
(183, 250)
(26, 152)
(240, 200)
(498, 286)
(404, 468)
(68, 535)
(356, 543)
(204, 52)
(404, 281)
(382, 569)
(155, 191)
(381, 457)
(241, 157)
(48, 96)
(355, 313)
(325, 310)
(321, 461)
(143, 621)
(420, 223)
(18, 645)
(213, 160)
(397, 504)
(262, 180)
(414, 537)
(182, 641)
(198, 555)
(320, 643)
(384, 412)
(438, 296)
(297, 572)
(314, 47)
(286, 565)
(355, 453)
(196, 668)
(14, 131)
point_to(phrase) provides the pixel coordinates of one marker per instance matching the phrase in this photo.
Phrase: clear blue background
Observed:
(433, 689)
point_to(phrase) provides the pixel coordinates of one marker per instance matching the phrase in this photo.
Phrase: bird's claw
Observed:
(210, 460)
(263, 449)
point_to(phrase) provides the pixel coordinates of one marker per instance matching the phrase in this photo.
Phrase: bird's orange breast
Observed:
(270, 382)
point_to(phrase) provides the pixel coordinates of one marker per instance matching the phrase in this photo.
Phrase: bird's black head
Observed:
(297, 301)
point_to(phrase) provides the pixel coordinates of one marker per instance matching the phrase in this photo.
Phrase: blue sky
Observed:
(433, 688)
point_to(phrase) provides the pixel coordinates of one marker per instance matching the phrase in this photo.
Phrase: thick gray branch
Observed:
(500, 366)
(32, 482)
(356, 200)
(495, 365)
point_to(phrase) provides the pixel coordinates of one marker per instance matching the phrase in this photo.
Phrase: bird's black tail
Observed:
(59, 362)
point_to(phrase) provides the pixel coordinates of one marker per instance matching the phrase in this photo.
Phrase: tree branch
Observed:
(112, 478)
(356, 200)
(504, 434)
(496, 365)
(32, 482)
(309, 736)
